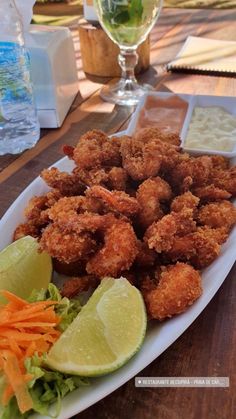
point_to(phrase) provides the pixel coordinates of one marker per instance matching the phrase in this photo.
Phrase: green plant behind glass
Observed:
(127, 21)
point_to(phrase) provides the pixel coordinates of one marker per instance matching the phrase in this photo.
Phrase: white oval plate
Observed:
(159, 336)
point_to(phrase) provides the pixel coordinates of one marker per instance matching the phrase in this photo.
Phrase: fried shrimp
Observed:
(26, 229)
(191, 172)
(186, 200)
(118, 252)
(109, 177)
(115, 201)
(95, 149)
(117, 179)
(138, 159)
(160, 235)
(36, 214)
(65, 212)
(224, 179)
(199, 248)
(67, 246)
(149, 134)
(149, 195)
(145, 159)
(35, 206)
(90, 177)
(211, 193)
(220, 162)
(217, 214)
(135, 206)
(68, 184)
(207, 242)
(178, 287)
(75, 286)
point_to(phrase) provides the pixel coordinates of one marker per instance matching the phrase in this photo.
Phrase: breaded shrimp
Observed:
(65, 211)
(207, 242)
(211, 193)
(26, 229)
(145, 135)
(116, 201)
(90, 177)
(36, 214)
(160, 235)
(68, 184)
(117, 179)
(75, 286)
(199, 248)
(220, 162)
(140, 161)
(118, 252)
(225, 179)
(192, 172)
(145, 159)
(186, 200)
(149, 195)
(109, 177)
(95, 149)
(179, 286)
(67, 246)
(218, 214)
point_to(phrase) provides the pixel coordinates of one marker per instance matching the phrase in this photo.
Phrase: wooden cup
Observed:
(100, 55)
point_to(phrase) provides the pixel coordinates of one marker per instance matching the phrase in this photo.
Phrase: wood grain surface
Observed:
(208, 347)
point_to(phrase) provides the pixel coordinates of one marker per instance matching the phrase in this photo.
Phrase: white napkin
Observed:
(207, 55)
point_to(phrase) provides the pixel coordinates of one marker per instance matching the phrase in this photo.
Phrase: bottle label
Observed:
(15, 85)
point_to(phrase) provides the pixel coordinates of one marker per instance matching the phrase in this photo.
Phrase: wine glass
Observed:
(127, 23)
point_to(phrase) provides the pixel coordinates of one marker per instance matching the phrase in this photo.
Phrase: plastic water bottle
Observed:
(19, 126)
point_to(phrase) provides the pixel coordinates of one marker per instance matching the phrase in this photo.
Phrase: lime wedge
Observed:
(23, 268)
(107, 332)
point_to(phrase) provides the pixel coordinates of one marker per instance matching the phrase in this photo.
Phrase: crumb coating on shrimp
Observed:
(178, 287)
(118, 252)
(135, 206)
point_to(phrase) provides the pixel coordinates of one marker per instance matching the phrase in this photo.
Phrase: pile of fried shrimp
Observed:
(138, 207)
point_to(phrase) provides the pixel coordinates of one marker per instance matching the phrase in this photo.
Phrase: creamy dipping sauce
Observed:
(167, 114)
(211, 128)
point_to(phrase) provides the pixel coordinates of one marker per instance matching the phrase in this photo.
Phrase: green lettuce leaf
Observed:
(47, 386)
(67, 309)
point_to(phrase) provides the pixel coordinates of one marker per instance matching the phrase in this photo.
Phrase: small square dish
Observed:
(206, 124)
(210, 126)
(166, 111)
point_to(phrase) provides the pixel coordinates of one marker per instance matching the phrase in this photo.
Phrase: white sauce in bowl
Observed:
(211, 128)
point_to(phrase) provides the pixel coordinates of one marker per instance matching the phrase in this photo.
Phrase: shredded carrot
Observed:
(25, 329)
(17, 301)
(28, 314)
(15, 347)
(7, 394)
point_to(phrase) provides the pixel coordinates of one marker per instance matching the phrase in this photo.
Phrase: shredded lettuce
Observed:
(48, 387)
(45, 388)
(67, 309)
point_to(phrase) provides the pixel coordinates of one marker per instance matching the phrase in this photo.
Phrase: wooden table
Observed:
(208, 347)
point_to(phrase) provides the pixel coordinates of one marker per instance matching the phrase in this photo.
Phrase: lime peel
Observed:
(23, 268)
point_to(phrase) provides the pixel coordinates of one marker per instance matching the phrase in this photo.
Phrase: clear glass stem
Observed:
(128, 60)
(126, 91)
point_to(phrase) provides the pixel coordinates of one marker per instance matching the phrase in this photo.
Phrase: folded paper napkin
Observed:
(205, 55)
